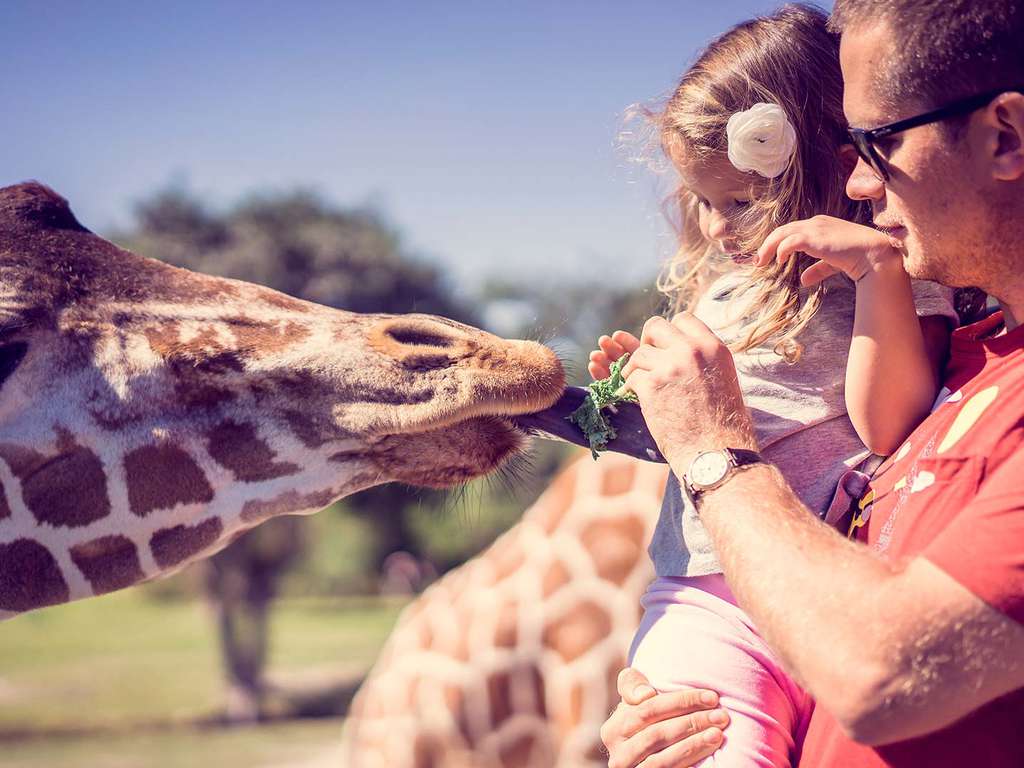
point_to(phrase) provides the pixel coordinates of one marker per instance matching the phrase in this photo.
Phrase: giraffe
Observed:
(510, 660)
(149, 415)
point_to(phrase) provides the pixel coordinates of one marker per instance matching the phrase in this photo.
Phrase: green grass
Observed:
(280, 745)
(115, 681)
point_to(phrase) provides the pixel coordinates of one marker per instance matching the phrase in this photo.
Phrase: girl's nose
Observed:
(719, 226)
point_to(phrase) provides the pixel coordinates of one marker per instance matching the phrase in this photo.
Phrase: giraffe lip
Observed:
(633, 438)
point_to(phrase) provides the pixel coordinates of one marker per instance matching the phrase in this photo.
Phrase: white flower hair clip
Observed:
(761, 139)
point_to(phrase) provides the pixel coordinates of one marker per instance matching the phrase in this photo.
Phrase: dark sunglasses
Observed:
(864, 140)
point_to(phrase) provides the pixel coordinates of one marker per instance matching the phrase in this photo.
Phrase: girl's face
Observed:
(723, 196)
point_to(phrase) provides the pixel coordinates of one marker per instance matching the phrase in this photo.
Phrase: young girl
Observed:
(756, 131)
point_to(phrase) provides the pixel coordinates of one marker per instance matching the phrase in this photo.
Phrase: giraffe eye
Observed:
(11, 356)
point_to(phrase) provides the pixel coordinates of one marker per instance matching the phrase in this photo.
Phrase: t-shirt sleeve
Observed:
(934, 299)
(983, 547)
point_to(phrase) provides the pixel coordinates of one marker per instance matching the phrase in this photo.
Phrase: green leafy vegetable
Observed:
(603, 394)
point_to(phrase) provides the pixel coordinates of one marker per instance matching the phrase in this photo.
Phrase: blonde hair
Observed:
(789, 58)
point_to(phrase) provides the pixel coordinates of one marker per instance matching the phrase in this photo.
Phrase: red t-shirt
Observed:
(954, 493)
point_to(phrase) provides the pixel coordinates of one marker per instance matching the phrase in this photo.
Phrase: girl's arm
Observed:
(892, 375)
(896, 359)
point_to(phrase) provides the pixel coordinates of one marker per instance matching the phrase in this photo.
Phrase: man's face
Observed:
(930, 204)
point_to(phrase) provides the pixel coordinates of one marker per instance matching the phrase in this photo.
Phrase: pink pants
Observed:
(694, 634)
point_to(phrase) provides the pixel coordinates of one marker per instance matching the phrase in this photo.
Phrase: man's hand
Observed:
(686, 382)
(661, 730)
(840, 246)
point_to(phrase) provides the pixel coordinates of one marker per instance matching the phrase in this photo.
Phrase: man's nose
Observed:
(864, 183)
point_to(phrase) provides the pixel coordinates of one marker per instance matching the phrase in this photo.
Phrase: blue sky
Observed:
(486, 132)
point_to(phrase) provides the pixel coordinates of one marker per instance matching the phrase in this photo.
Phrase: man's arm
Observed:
(891, 651)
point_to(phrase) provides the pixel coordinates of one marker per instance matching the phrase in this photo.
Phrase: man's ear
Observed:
(847, 159)
(1005, 119)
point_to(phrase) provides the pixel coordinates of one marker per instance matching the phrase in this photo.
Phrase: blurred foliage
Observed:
(295, 243)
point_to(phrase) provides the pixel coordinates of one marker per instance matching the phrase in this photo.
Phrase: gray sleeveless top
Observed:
(799, 411)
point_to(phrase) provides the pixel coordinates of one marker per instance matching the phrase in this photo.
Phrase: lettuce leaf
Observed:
(603, 395)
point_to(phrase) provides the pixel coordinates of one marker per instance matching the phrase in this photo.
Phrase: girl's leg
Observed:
(692, 635)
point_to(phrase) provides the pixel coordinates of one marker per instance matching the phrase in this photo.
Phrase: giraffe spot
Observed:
(258, 510)
(259, 338)
(499, 694)
(237, 447)
(454, 698)
(172, 546)
(30, 577)
(518, 753)
(284, 301)
(577, 631)
(428, 751)
(109, 563)
(506, 630)
(20, 459)
(577, 699)
(922, 481)
(556, 576)
(5, 509)
(304, 427)
(194, 391)
(203, 352)
(618, 479)
(615, 546)
(69, 489)
(163, 476)
(969, 414)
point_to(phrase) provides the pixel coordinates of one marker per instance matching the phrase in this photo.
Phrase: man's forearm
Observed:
(813, 594)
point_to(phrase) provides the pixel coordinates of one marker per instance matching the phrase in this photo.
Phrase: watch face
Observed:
(709, 468)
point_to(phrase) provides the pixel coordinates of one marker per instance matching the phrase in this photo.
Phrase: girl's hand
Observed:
(611, 349)
(840, 246)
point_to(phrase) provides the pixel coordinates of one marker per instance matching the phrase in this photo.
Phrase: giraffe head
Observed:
(149, 415)
(99, 344)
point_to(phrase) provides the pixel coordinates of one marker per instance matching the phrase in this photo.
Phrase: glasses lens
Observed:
(867, 152)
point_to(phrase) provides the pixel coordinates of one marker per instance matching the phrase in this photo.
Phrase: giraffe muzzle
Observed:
(633, 438)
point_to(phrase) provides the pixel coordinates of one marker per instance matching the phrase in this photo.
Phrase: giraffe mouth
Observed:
(633, 438)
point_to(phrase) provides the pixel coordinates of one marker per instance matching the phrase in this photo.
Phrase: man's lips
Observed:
(895, 231)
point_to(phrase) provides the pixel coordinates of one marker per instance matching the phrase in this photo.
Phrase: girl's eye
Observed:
(741, 203)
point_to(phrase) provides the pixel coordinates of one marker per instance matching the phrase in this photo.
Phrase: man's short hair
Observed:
(946, 49)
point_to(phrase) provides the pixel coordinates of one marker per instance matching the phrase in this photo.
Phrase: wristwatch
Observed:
(710, 469)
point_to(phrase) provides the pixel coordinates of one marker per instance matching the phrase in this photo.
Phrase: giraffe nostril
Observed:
(419, 337)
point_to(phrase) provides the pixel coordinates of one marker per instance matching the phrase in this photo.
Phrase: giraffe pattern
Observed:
(510, 660)
(149, 415)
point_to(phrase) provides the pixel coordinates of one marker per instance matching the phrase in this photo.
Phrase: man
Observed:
(912, 640)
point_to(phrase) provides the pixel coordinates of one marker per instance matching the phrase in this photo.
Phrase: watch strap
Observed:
(741, 457)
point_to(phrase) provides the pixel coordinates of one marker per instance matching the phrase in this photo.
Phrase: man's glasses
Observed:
(864, 140)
